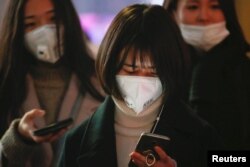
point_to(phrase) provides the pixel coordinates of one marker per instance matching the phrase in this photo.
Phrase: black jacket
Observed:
(220, 94)
(92, 144)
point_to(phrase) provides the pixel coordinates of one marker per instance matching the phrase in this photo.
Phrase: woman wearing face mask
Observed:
(46, 75)
(219, 89)
(140, 65)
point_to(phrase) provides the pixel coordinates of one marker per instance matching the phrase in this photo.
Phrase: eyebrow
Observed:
(32, 16)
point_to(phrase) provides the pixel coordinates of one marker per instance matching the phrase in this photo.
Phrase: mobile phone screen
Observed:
(52, 128)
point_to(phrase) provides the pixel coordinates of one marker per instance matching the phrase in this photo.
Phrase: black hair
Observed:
(143, 29)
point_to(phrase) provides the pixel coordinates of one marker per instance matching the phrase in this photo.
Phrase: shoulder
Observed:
(200, 128)
(188, 120)
(78, 132)
(189, 114)
(187, 129)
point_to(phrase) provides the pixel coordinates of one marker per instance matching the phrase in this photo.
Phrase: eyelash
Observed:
(52, 18)
(28, 25)
(215, 6)
(130, 71)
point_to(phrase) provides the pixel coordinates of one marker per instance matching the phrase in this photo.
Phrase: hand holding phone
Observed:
(146, 144)
(53, 128)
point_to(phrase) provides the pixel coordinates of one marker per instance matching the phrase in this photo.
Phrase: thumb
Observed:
(26, 125)
(30, 115)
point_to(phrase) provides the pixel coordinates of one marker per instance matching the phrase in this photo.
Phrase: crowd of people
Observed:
(179, 70)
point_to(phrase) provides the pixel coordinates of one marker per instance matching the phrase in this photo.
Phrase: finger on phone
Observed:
(138, 159)
(50, 137)
(162, 154)
(34, 113)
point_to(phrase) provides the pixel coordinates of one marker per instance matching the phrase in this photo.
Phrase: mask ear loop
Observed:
(157, 119)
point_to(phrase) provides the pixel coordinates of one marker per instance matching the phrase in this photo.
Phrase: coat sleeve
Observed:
(14, 148)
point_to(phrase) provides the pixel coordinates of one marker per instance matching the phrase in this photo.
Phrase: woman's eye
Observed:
(192, 7)
(215, 6)
(29, 25)
(130, 71)
(153, 71)
(52, 18)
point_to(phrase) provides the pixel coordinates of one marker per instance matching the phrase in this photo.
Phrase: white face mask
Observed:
(139, 92)
(204, 37)
(42, 43)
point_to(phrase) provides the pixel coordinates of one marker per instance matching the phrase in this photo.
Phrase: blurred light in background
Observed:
(96, 15)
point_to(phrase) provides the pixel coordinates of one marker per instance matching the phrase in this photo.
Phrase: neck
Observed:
(127, 119)
(58, 71)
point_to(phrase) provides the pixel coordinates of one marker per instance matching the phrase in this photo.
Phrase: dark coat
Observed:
(92, 144)
(220, 93)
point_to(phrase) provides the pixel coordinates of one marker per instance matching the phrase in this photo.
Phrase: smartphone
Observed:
(146, 144)
(54, 127)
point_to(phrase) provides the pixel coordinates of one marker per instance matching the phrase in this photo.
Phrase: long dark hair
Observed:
(143, 29)
(15, 60)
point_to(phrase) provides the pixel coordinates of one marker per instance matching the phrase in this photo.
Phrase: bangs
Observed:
(140, 50)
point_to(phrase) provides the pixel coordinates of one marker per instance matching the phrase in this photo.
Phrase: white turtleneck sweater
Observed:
(129, 126)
